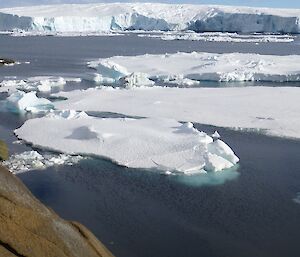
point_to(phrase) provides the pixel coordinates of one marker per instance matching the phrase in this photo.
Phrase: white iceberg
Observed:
(104, 17)
(197, 66)
(20, 101)
(271, 110)
(152, 143)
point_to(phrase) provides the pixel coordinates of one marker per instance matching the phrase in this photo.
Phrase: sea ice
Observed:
(220, 37)
(32, 160)
(272, 110)
(197, 66)
(40, 84)
(153, 143)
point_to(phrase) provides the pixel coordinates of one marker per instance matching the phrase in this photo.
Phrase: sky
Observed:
(258, 3)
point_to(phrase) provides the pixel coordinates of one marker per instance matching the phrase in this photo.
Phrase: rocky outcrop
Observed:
(28, 228)
(3, 151)
(6, 61)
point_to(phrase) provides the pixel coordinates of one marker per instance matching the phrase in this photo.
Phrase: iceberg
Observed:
(104, 17)
(27, 102)
(151, 143)
(198, 66)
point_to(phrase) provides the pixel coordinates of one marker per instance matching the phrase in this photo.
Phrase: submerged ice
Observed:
(152, 143)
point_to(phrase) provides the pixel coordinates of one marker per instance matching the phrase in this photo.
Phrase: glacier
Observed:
(149, 17)
(151, 143)
(197, 66)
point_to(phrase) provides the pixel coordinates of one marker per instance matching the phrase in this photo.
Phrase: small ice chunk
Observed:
(214, 162)
(136, 79)
(20, 101)
(216, 135)
(220, 148)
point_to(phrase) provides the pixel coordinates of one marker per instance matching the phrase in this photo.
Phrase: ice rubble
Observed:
(220, 37)
(32, 160)
(274, 110)
(149, 17)
(153, 143)
(27, 102)
(40, 84)
(199, 66)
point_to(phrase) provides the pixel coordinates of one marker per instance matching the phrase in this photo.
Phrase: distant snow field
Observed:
(149, 17)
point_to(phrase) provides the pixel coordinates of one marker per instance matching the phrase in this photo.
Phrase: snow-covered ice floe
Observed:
(149, 17)
(272, 110)
(221, 37)
(32, 160)
(20, 101)
(39, 84)
(197, 66)
(151, 143)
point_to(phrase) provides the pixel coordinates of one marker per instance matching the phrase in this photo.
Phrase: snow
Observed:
(69, 18)
(32, 160)
(152, 143)
(199, 66)
(272, 110)
(221, 37)
(27, 102)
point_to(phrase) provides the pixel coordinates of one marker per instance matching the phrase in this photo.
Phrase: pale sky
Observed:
(258, 3)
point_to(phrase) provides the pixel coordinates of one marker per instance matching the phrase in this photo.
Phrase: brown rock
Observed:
(28, 228)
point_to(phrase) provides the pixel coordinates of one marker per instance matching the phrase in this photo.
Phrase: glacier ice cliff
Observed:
(149, 17)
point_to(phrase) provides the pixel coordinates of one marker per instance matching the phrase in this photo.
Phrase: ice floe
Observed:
(32, 160)
(152, 143)
(197, 66)
(271, 110)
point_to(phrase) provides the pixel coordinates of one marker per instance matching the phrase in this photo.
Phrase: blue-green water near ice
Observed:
(248, 211)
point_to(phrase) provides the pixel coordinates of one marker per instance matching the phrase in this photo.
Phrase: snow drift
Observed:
(146, 16)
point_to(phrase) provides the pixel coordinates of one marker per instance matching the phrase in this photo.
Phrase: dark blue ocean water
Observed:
(138, 213)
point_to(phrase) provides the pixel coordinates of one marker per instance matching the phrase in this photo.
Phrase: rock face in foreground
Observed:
(28, 228)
